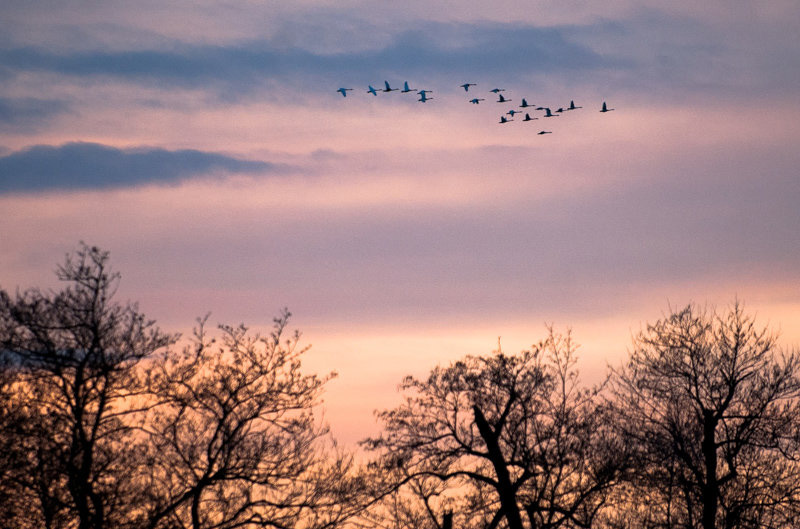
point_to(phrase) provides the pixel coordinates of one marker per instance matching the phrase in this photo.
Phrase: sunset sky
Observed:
(204, 145)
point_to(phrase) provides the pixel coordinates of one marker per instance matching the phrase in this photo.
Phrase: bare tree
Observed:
(73, 356)
(515, 434)
(709, 404)
(103, 423)
(235, 443)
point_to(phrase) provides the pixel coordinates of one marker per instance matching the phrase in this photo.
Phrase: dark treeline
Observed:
(106, 421)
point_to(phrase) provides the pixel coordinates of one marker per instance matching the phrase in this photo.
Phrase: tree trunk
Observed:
(508, 498)
(710, 492)
(447, 520)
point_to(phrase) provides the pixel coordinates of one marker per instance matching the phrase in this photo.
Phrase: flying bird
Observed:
(372, 90)
(528, 117)
(525, 104)
(502, 99)
(476, 101)
(572, 105)
(388, 88)
(406, 89)
(512, 112)
(605, 108)
(423, 96)
(504, 120)
(343, 91)
(497, 90)
(466, 86)
(545, 132)
(548, 114)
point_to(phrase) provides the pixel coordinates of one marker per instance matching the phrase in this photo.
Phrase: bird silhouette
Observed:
(560, 109)
(466, 86)
(497, 90)
(528, 117)
(406, 89)
(502, 99)
(525, 104)
(476, 101)
(572, 105)
(343, 91)
(504, 120)
(548, 114)
(605, 108)
(423, 96)
(544, 132)
(388, 88)
(512, 112)
(372, 90)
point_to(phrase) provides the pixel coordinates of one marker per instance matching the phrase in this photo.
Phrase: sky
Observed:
(204, 145)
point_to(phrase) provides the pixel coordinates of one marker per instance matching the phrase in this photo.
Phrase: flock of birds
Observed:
(527, 108)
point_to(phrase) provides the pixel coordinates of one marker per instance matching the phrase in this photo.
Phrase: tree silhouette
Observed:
(73, 356)
(104, 423)
(234, 441)
(514, 434)
(709, 404)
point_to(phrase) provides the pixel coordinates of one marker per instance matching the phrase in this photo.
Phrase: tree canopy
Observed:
(108, 421)
(517, 436)
(708, 403)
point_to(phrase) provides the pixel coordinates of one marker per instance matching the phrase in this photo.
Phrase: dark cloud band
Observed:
(435, 50)
(74, 166)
